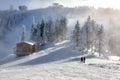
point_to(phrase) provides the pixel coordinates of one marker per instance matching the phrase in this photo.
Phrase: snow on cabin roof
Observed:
(29, 43)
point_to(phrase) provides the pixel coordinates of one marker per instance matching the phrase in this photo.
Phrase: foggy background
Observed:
(108, 15)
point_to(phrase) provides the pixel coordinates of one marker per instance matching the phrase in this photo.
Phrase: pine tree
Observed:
(43, 32)
(40, 33)
(58, 30)
(87, 33)
(90, 30)
(100, 38)
(90, 38)
(33, 30)
(76, 35)
(50, 30)
(63, 27)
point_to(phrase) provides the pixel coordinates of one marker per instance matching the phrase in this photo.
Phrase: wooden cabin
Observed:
(24, 48)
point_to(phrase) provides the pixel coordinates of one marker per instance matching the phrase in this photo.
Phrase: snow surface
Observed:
(115, 58)
(58, 62)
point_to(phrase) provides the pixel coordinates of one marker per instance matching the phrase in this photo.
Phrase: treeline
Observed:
(48, 31)
(89, 37)
(8, 21)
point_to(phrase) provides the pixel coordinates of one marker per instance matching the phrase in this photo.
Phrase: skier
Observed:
(84, 59)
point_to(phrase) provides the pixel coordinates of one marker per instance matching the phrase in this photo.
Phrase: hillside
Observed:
(12, 21)
(59, 62)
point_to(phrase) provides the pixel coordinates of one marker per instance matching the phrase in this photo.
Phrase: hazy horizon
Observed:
(35, 4)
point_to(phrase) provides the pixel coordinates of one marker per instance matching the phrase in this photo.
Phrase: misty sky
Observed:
(34, 4)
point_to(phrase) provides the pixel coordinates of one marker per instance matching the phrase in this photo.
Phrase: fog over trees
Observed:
(92, 35)
(89, 38)
(50, 31)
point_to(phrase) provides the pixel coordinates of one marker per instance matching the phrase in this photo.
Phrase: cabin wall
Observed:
(24, 49)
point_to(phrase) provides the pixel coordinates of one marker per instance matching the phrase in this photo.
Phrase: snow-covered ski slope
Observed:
(58, 62)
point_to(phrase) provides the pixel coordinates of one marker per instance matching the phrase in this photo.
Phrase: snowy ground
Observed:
(58, 63)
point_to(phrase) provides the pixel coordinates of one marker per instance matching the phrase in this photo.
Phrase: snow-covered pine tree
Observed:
(63, 27)
(101, 40)
(43, 32)
(76, 35)
(38, 34)
(87, 31)
(83, 39)
(90, 38)
(50, 30)
(33, 30)
(58, 30)
(92, 34)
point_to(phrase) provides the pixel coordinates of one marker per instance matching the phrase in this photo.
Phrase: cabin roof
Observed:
(27, 42)
(31, 43)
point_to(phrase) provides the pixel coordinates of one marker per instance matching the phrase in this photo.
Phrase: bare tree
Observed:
(23, 34)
